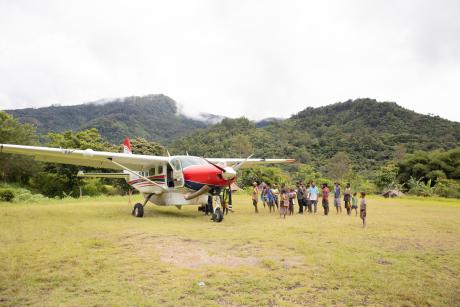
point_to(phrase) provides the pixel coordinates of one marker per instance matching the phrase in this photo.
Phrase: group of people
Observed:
(306, 196)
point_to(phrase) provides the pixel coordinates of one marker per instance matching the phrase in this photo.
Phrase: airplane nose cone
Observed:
(229, 173)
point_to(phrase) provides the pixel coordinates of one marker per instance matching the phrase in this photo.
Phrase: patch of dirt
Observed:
(185, 253)
(192, 254)
(188, 253)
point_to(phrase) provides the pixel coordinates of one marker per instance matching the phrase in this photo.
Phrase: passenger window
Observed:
(152, 171)
(160, 169)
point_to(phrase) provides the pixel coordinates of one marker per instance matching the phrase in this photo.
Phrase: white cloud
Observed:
(252, 58)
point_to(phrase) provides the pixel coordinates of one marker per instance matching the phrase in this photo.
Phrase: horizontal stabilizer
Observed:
(102, 175)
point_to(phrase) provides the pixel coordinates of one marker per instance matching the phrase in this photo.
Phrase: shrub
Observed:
(448, 188)
(110, 190)
(6, 195)
(92, 187)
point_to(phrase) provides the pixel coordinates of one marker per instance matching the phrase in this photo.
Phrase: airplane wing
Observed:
(87, 157)
(248, 162)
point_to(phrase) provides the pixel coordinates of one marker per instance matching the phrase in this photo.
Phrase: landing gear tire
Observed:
(138, 210)
(218, 215)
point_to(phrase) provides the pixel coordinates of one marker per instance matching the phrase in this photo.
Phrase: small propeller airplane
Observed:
(162, 180)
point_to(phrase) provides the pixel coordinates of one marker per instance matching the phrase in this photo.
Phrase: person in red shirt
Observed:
(325, 190)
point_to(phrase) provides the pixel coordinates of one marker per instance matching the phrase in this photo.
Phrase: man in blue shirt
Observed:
(337, 204)
(313, 196)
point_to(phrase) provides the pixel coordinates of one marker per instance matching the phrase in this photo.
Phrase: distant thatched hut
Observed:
(392, 193)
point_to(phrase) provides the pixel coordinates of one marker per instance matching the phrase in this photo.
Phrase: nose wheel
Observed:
(218, 214)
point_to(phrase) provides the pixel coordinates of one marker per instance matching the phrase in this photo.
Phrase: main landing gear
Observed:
(138, 210)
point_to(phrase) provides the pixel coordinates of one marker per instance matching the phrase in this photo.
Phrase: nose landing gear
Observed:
(218, 214)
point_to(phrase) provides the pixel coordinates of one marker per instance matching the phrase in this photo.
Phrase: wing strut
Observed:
(136, 174)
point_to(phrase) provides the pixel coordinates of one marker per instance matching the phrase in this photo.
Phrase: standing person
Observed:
(284, 204)
(306, 200)
(270, 198)
(276, 196)
(292, 197)
(263, 197)
(208, 207)
(363, 208)
(337, 204)
(255, 196)
(307, 197)
(314, 196)
(354, 203)
(347, 198)
(325, 199)
(300, 197)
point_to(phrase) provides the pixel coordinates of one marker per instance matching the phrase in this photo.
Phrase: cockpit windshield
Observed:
(189, 161)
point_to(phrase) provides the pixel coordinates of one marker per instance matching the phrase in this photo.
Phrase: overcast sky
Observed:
(252, 58)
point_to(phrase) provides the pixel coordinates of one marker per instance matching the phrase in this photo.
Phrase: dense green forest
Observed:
(154, 117)
(374, 145)
(369, 132)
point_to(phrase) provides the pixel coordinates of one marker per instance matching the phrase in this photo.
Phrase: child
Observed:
(292, 197)
(325, 197)
(284, 204)
(255, 196)
(346, 198)
(307, 197)
(224, 207)
(276, 196)
(263, 194)
(354, 203)
(270, 198)
(362, 208)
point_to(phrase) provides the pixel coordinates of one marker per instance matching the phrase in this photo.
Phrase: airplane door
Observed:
(177, 173)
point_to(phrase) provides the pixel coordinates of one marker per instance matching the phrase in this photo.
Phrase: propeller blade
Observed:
(215, 165)
(236, 167)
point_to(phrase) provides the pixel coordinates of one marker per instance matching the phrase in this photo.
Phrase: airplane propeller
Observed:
(228, 173)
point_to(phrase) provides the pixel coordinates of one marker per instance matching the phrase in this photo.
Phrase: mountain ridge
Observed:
(370, 132)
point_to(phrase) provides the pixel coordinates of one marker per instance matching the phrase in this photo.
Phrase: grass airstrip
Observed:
(93, 252)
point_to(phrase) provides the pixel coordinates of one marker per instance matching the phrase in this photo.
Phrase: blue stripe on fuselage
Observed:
(193, 185)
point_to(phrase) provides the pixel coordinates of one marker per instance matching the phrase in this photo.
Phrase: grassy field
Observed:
(93, 252)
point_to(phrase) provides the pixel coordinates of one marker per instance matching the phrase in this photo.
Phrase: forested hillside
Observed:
(368, 132)
(154, 117)
(365, 132)
(374, 145)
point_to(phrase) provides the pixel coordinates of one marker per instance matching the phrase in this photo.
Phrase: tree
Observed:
(61, 179)
(385, 176)
(16, 168)
(271, 175)
(241, 144)
(338, 166)
(430, 165)
(141, 146)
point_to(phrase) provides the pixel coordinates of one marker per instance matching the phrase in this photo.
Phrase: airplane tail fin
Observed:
(127, 146)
